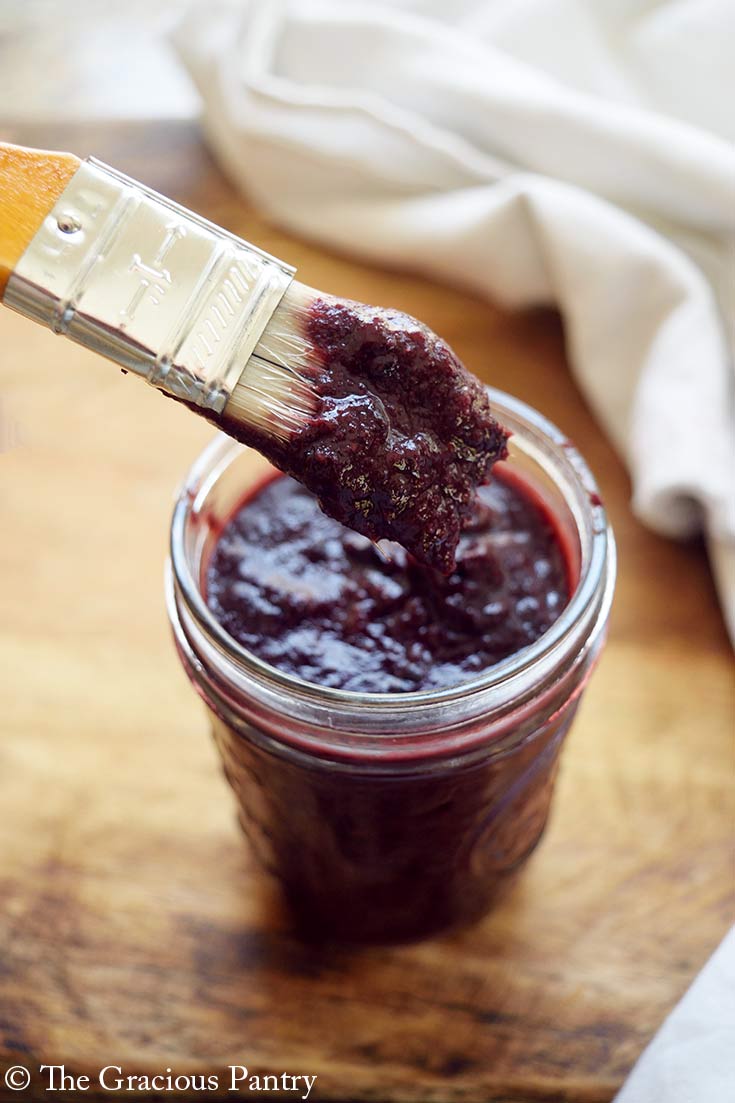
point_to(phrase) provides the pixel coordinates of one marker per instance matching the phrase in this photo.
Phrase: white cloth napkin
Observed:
(692, 1058)
(576, 152)
(536, 151)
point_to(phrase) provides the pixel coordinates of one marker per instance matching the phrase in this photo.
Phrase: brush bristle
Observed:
(274, 394)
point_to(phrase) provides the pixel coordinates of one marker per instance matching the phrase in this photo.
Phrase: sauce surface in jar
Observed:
(315, 599)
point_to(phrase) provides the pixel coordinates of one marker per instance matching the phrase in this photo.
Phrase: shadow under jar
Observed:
(390, 816)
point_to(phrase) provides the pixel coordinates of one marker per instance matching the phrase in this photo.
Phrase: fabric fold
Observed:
(470, 142)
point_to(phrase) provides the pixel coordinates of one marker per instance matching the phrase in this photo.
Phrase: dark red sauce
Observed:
(400, 441)
(318, 600)
(399, 853)
(401, 436)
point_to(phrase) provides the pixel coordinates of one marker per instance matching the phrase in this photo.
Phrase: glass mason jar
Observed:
(387, 817)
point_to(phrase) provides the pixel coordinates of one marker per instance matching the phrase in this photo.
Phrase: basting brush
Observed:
(364, 405)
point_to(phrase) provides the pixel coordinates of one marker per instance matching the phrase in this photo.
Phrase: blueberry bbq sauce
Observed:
(391, 834)
(411, 849)
(315, 599)
(399, 434)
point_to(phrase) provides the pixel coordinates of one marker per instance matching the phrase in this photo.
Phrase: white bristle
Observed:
(274, 394)
(272, 399)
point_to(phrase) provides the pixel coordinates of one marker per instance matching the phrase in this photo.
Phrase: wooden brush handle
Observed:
(31, 180)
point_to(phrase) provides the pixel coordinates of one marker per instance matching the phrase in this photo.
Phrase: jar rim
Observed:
(534, 665)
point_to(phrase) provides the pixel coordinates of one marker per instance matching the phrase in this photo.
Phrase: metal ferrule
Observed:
(145, 282)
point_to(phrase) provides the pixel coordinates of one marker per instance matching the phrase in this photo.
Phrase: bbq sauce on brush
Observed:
(402, 434)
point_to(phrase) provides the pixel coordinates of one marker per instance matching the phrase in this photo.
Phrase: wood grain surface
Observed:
(134, 928)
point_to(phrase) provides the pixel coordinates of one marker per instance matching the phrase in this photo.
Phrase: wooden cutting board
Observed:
(134, 928)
